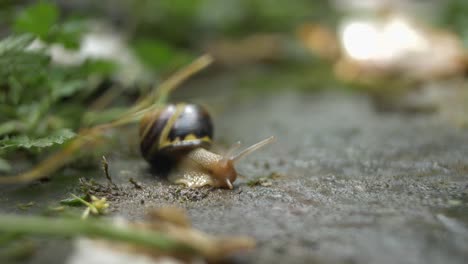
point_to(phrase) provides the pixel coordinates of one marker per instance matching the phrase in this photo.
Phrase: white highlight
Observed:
(382, 42)
(360, 40)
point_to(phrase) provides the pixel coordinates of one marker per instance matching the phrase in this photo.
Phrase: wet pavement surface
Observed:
(342, 183)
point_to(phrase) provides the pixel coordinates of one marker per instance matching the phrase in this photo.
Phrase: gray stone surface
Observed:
(353, 185)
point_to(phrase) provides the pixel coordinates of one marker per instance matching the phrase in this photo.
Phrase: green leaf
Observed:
(69, 33)
(21, 70)
(9, 127)
(74, 201)
(64, 89)
(4, 166)
(23, 67)
(37, 19)
(57, 138)
(15, 43)
(160, 55)
(98, 67)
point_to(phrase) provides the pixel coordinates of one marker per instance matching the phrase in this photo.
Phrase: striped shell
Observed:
(168, 133)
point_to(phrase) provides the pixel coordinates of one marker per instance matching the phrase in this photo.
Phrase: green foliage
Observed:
(4, 165)
(159, 55)
(75, 201)
(37, 19)
(31, 86)
(68, 34)
(57, 137)
(41, 102)
(454, 16)
(19, 67)
(98, 67)
(42, 20)
(185, 22)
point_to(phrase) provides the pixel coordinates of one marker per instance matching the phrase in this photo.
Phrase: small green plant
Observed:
(41, 102)
(97, 206)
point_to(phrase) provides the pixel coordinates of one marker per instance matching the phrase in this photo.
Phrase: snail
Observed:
(176, 140)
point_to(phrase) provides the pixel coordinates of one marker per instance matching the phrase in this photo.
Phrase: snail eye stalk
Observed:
(231, 150)
(252, 148)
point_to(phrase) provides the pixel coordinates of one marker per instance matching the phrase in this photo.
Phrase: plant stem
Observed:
(160, 94)
(103, 229)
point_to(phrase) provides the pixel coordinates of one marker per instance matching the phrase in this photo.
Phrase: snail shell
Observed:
(168, 134)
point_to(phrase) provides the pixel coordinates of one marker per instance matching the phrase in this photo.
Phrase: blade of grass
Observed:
(161, 93)
(65, 228)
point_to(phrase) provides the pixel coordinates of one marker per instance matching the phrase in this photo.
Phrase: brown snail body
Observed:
(176, 139)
